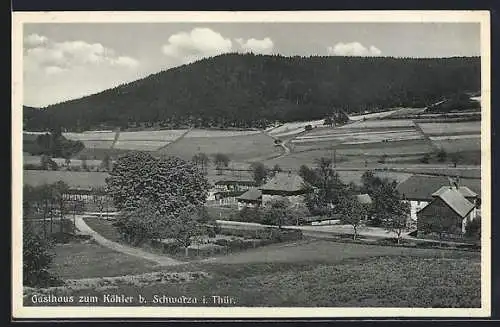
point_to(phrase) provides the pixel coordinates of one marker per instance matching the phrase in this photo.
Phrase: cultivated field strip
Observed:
(208, 133)
(91, 136)
(241, 147)
(293, 128)
(162, 135)
(454, 128)
(140, 145)
(389, 123)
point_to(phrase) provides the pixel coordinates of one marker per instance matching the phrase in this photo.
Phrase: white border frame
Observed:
(19, 18)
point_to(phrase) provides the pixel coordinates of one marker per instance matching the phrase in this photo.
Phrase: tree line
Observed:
(247, 90)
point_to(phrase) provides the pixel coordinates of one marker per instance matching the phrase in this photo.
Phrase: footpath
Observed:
(160, 260)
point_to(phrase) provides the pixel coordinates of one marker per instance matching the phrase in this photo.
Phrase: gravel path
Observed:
(161, 260)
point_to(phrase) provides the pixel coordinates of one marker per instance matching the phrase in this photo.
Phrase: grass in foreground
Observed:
(393, 281)
(87, 260)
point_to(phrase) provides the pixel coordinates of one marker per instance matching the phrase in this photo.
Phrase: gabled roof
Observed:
(287, 182)
(464, 190)
(455, 200)
(364, 198)
(253, 194)
(421, 187)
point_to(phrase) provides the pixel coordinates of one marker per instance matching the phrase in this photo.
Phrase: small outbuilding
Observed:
(250, 199)
(448, 213)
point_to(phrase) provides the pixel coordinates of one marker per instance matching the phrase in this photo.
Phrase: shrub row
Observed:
(268, 233)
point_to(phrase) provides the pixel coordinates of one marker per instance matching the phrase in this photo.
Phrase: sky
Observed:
(63, 61)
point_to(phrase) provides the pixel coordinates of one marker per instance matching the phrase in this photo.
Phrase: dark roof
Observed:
(455, 200)
(464, 190)
(236, 182)
(364, 198)
(253, 194)
(287, 182)
(421, 187)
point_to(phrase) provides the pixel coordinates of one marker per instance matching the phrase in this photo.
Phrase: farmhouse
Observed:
(250, 199)
(418, 190)
(290, 185)
(227, 188)
(448, 212)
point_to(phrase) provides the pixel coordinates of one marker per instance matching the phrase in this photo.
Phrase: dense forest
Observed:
(247, 90)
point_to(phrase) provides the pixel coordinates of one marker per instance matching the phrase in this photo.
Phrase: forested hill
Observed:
(249, 90)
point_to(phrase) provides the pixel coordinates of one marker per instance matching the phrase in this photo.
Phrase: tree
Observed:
(67, 162)
(98, 198)
(44, 161)
(328, 187)
(221, 160)
(277, 169)
(425, 159)
(455, 159)
(277, 212)
(473, 228)
(37, 258)
(308, 174)
(352, 213)
(260, 172)
(106, 162)
(397, 218)
(169, 182)
(442, 155)
(385, 198)
(186, 226)
(142, 223)
(60, 189)
(153, 192)
(201, 160)
(383, 159)
(83, 164)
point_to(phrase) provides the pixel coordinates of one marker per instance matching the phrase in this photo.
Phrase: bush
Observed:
(37, 257)
(32, 167)
(442, 155)
(249, 215)
(473, 228)
(425, 159)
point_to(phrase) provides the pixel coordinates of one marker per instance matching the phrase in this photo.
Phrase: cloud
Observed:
(197, 44)
(45, 55)
(34, 40)
(201, 42)
(353, 49)
(264, 46)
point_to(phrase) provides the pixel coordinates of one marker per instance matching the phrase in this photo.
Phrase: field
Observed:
(431, 129)
(375, 115)
(238, 147)
(72, 178)
(306, 273)
(290, 129)
(147, 140)
(196, 133)
(361, 140)
(458, 143)
(162, 135)
(87, 260)
(141, 145)
(35, 160)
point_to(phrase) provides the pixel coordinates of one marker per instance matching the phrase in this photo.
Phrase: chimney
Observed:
(289, 173)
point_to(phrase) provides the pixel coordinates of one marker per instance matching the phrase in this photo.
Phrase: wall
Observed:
(439, 215)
